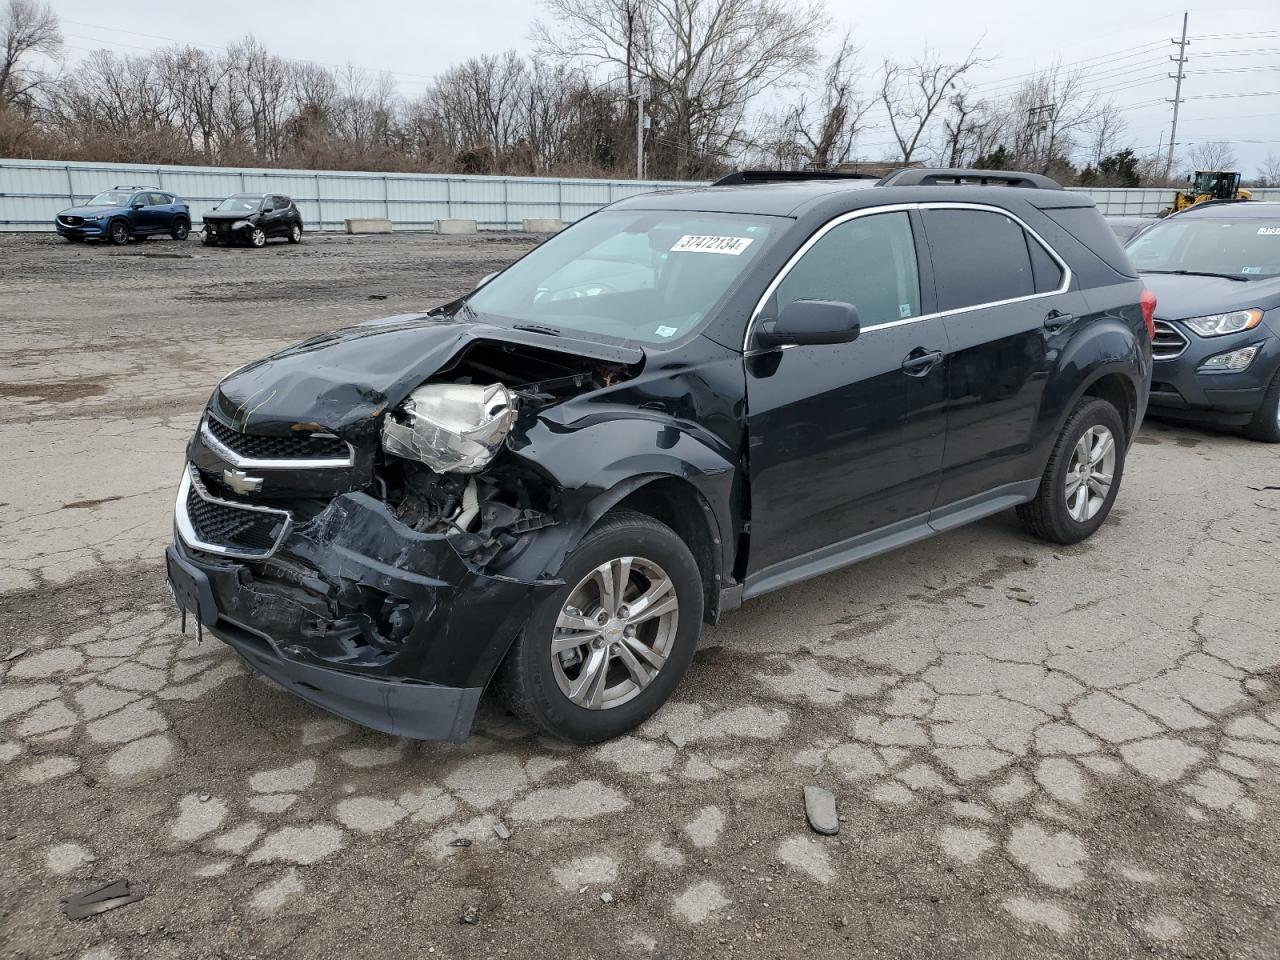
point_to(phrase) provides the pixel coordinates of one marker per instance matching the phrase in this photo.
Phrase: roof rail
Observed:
(134, 186)
(781, 176)
(928, 177)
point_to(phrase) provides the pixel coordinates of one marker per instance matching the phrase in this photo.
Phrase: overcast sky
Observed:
(1234, 65)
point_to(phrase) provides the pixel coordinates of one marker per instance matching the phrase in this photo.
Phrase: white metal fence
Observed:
(33, 191)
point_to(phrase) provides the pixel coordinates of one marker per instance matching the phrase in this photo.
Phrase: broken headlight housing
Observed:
(451, 427)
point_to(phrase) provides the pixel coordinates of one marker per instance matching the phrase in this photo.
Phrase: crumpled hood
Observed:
(88, 211)
(231, 217)
(1180, 297)
(346, 380)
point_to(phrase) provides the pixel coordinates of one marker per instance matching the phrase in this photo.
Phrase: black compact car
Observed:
(253, 219)
(1215, 269)
(126, 213)
(683, 401)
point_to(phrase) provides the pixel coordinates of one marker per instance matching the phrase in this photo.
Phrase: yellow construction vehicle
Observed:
(1208, 185)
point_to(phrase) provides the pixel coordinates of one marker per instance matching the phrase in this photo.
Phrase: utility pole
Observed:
(640, 131)
(1181, 61)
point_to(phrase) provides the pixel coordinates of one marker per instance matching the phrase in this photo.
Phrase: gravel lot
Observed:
(1037, 753)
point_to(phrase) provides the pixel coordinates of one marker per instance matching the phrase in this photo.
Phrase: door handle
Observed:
(1056, 320)
(919, 362)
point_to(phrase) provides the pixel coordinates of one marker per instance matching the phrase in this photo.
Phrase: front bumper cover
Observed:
(1181, 391)
(362, 616)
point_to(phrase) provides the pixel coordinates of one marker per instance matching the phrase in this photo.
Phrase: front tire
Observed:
(1265, 425)
(598, 656)
(258, 237)
(118, 233)
(1082, 478)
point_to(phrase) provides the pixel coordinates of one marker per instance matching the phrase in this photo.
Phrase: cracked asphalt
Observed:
(1035, 751)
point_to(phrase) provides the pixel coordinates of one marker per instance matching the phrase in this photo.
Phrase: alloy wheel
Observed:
(614, 633)
(1090, 473)
(258, 238)
(295, 233)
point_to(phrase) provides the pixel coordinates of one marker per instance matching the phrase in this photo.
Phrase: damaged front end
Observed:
(356, 517)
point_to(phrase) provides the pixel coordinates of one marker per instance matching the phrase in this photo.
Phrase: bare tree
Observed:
(27, 30)
(1269, 171)
(702, 60)
(823, 131)
(1105, 129)
(1213, 155)
(912, 93)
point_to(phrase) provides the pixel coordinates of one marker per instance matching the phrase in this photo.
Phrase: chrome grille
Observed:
(224, 527)
(72, 221)
(253, 450)
(1169, 342)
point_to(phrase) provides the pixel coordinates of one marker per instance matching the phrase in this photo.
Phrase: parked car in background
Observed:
(253, 219)
(683, 401)
(1215, 270)
(126, 213)
(1126, 228)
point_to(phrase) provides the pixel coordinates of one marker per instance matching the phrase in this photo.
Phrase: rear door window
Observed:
(979, 256)
(869, 262)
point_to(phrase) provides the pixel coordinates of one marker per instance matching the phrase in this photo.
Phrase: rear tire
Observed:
(1265, 425)
(640, 552)
(118, 233)
(180, 229)
(295, 233)
(1074, 499)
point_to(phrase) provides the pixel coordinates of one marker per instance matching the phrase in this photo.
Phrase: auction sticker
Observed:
(691, 243)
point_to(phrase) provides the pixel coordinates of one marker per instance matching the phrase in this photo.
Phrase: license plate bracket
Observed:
(191, 589)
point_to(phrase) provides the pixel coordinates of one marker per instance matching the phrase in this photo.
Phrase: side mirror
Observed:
(138, 204)
(485, 279)
(267, 209)
(804, 322)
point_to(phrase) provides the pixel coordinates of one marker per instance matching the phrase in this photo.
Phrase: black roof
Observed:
(794, 198)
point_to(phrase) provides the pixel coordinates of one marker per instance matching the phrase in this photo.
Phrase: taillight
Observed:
(1148, 304)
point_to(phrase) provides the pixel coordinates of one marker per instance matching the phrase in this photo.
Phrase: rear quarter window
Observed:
(1087, 225)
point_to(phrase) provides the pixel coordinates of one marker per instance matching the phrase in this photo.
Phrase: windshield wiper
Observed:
(536, 328)
(1201, 273)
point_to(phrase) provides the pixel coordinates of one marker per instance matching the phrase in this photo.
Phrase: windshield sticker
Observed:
(691, 243)
(1250, 269)
(666, 331)
(904, 310)
(1269, 231)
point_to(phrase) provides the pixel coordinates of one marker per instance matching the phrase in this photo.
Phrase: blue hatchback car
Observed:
(1215, 272)
(125, 213)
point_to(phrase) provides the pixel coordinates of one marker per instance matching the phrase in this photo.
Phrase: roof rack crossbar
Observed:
(927, 177)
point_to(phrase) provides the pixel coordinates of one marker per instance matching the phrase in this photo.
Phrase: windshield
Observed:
(651, 276)
(1247, 248)
(111, 198)
(239, 205)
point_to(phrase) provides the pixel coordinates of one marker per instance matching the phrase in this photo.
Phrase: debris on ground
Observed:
(470, 916)
(14, 654)
(459, 842)
(606, 897)
(501, 830)
(109, 896)
(820, 808)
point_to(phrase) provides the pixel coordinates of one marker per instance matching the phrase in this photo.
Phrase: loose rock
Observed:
(820, 808)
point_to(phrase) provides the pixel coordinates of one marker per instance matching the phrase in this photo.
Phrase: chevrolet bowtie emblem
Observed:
(241, 482)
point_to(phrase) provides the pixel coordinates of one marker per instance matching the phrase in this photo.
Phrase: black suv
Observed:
(681, 402)
(252, 218)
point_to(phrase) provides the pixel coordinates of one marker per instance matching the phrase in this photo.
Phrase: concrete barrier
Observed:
(542, 224)
(455, 226)
(367, 225)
